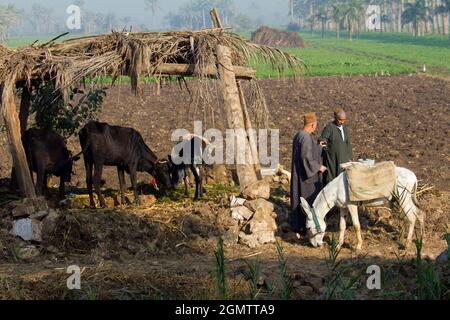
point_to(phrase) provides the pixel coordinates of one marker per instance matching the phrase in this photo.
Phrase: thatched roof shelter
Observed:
(215, 53)
(132, 54)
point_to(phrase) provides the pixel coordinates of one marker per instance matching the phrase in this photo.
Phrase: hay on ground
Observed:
(281, 39)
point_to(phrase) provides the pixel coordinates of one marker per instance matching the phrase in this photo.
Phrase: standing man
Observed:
(338, 148)
(305, 181)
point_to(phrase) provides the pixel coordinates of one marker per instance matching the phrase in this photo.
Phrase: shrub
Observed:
(52, 112)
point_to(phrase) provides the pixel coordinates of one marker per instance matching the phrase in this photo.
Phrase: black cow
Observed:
(179, 167)
(124, 148)
(47, 154)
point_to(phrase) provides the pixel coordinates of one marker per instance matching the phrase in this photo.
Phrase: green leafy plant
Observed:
(340, 283)
(286, 280)
(429, 281)
(50, 110)
(255, 272)
(220, 271)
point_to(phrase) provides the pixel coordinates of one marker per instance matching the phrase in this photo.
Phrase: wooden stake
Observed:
(18, 154)
(215, 18)
(246, 172)
(248, 127)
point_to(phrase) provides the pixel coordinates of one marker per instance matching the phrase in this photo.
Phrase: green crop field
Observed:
(370, 54)
(28, 40)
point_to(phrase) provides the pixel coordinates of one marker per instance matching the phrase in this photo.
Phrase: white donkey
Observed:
(336, 194)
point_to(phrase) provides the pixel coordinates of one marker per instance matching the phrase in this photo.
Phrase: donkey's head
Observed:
(315, 225)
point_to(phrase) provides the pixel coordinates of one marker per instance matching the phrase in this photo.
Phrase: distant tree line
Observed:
(195, 15)
(418, 17)
(41, 20)
(9, 17)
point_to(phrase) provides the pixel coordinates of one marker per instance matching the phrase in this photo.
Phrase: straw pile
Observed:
(281, 39)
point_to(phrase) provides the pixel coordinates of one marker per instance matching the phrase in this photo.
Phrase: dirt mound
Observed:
(274, 38)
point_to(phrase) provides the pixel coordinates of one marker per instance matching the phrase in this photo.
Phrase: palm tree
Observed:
(415, 13)
(337, 15)
(322, 16)
(352, 15)
(392, 12)
(399, 15)
(444, 9)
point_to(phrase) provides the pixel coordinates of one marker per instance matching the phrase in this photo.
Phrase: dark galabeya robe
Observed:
(305, 181)
(338, 151)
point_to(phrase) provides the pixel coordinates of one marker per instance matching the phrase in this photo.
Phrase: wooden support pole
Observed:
(18, 154)
(248, 127)
(186, 70)
(247, 121)
(246, 172)
(24, 113)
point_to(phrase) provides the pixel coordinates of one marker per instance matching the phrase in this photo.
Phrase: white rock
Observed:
(262, 221)
(258, 189)
(236, 202)
(241, 213)
(262, 229)
(262, 204)
(28, 229)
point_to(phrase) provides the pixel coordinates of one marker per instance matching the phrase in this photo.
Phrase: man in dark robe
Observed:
(305, 180)
(338, 148)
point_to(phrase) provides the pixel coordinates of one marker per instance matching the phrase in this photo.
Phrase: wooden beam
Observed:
(18, 154)
(246, 172)
(186, 70)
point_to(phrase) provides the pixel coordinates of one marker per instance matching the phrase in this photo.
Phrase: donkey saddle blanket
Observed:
(370, 182)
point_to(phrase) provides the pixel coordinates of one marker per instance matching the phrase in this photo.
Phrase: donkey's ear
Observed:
(306, 206)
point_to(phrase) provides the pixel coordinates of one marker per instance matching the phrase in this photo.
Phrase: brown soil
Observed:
(274, 38)
(167, 249)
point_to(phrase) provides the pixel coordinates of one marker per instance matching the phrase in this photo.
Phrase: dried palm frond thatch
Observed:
(134, 54)
(117, 54)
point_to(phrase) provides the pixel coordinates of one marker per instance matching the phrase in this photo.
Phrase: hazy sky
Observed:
(274, 12)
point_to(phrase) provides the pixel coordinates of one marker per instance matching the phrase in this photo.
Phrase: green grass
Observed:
(28, 40)
(370, 54)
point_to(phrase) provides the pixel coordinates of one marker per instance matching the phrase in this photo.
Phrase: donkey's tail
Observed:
(414, 196)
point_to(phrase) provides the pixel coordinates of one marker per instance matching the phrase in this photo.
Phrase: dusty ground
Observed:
(167, 249)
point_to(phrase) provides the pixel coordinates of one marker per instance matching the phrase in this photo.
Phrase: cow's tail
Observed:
(56, 169)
